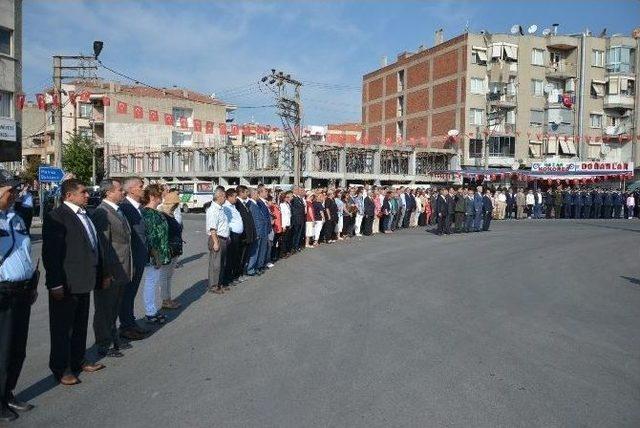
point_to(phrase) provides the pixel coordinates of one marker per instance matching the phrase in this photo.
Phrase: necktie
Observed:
(87, 225)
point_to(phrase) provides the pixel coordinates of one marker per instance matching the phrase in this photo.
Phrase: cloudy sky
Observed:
(225, 47)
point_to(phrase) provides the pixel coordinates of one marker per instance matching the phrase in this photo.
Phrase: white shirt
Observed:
(88, 225)
(233, 217)
(285, 210)
(177, 214)
(538, 198)
(530, 199)
(217, 220)
(502, 197)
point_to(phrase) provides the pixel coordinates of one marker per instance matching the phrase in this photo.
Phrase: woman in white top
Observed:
(501, 202)
(530, 201)
(416, 214)
(631, 203)
(285, 212)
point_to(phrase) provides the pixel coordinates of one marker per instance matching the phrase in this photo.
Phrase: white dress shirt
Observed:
(216, 220)
(285, 210)
(88, 225)
(530, 199)
(233, 217)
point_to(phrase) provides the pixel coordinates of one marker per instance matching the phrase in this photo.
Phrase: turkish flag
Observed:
(388, 141)
(40, 101)
(153, 115)
(208, 127)
(197, 125)
(246, 129)
(234, 130)
(72, 97)
(121, 108)
(20, 102)
(260, 130)
(106, 101)
(138, 113)
(55, 99)
(84, 96)
(223, 128)
(183, 122)
(168, 119)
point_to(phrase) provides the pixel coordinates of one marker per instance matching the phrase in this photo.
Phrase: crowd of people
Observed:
(134, 237)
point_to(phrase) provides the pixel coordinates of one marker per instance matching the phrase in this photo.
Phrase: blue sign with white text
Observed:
(50, 174)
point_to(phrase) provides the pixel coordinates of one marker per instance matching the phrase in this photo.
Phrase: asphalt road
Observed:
(534, 324)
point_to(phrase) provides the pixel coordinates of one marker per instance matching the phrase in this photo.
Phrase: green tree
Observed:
(30, 172)
(77, 157)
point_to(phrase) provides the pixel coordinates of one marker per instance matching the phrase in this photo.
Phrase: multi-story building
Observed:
(497, 100)
(10, 79)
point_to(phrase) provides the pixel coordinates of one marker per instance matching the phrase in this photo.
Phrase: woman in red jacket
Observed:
(276, 222)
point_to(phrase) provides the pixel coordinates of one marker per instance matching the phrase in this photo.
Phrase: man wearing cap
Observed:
(18, 282)
(72, 260)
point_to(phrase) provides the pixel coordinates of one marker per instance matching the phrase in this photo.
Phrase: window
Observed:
(205, 187)
(535, 149)
(536, 117)
(511, 117)
(85, 110)
(537, 57)
(627, 86)
(5, 41)
(400, 107)
(478, 55)
(478, 85)
(179, 112)
(596, 120)
(85, 133)
(597, 58)
(5, 103)
(511, 52)
(400, 80)
(181, 138)
(597, 88)
(621, 59)
(399, 130)
(502, 146)
(537, 88)
(475, 148)
(475, 116)
(612, 86)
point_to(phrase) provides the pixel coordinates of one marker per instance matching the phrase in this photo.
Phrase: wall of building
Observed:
(11, 75)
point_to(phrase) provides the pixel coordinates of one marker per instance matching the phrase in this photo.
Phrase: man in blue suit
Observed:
(576, 201)
(253, 267)
(477, 208)
(265, 246)
(469, 211)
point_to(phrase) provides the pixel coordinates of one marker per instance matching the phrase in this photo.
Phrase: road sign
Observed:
(50, 174)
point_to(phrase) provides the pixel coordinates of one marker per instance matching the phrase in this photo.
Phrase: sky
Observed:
(224, 48)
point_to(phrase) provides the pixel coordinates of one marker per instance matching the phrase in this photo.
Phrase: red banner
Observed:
(55, 99)
(168, 119)
(183, 122)
(208, 127)
(85, 96)
(40, 101)
(20, 102)
(197, 125)
(223, 128)
(72, 97)
(234, 130)
(121, 108)
(106, 101)
(153, 115)
(138, 113)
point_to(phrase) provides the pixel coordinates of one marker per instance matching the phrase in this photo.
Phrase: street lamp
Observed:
(97, 48)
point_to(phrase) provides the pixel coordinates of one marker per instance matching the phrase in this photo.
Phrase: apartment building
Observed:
(10, 79)
(500, 100)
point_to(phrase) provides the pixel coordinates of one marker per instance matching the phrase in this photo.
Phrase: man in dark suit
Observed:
(369, 214)
(460, 199)
(587, 202)
(566, 202)
(264, 257)
(597, 203)
(131, 208)
(607, 202)
(469, 210)
(249, 229)
(487, 210)
(298, 218)
(511, 202)
(442, 211)
(478, 205)
(71, 257)
(114, 235)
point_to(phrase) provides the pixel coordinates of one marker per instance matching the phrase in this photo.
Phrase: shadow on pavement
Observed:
(634, 281)
(608, 227)
(192, 258)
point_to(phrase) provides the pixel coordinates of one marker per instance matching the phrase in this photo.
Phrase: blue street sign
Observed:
(50, 174)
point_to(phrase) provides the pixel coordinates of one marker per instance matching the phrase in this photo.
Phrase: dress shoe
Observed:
(7, 415)
(92, 367)
(141, 330)
(132, 334)
(19, 406)
(111, 353)
(69, 380)
(123, 345)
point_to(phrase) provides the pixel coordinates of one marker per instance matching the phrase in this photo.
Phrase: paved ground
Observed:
(536, 323)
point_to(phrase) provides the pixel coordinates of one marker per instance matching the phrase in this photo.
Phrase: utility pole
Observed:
(290, 111)
(78, 65)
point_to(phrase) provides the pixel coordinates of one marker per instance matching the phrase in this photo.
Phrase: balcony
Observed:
(502, 100)
(561, 70)
(618, 101)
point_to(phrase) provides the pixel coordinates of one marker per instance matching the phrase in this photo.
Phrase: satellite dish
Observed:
(532, 29)
(453, 133)
(515, 29)
(546, 32)
(515, 165)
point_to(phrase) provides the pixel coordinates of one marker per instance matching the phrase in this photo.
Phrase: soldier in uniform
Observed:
(597, 203)
(18, 282)
(576, 201)
(616, 200)
(566, 203)
(587, 201)
(607, 201)
(547, 198)
(557, 202)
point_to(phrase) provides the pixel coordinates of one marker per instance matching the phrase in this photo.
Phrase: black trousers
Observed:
(367, 225)
(442, 224)
(586, 213)
(486, 217)
(297, 237)
(606, 211)
(567, 210)
(557, 210)
(129, 292)
(245, 252)
(597, 211)
(406, 218)
(617, 209)
(231, 268)
(14, 330)
(459, 222)
(285, 241)
(106, 302)
(447, 224)
(68, 320)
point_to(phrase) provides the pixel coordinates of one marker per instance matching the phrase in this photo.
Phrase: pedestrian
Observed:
(530, 202)
(276, 224)
(459, 210)
(511, 203)
(597, 203)
(537, 206)
(557, 202)
(18, 291)
(169, 206)
(309, 220)
(218, 231)
(501, 202)
(264, 255)
(487, 210)
(469, 211)
(248, 231)
(369, 215)
(631, 203)
(131, 207)
(358, 201)
(114, 236)
(442, 211)
(617, 204)
(233, 268)
(340, 210)
(478, 204)
(298, 219)
(319, 215)
(285, 211)
(71, 257)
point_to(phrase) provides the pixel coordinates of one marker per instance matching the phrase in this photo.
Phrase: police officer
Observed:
(18, 282)
(587, 201)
